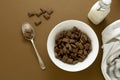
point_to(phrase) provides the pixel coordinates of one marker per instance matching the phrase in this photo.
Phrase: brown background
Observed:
(17, 57)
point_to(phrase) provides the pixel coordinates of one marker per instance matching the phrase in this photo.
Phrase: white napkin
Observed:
(111, 51)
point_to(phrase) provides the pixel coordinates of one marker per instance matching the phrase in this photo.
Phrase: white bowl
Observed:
(66, 25)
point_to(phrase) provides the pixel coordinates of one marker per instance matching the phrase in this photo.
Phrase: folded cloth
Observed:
(111, 51)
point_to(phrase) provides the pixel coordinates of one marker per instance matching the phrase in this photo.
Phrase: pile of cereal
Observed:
(72, 46)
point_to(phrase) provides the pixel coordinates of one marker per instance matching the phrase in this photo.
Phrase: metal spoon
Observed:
(28, 33)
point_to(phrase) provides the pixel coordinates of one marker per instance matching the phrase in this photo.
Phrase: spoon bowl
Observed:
(28, 31)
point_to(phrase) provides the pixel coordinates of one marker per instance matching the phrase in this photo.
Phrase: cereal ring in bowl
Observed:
(63, 57)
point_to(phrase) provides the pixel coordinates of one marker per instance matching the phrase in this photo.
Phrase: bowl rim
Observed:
(61, 63)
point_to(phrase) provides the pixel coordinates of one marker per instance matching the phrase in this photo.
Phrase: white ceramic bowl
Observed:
(66, 25)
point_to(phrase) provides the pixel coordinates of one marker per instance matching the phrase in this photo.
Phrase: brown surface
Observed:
(17, 56)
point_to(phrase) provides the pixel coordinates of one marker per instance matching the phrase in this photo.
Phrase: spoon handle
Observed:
(38, 56)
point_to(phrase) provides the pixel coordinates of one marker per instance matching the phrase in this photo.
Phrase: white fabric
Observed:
(111, 51)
